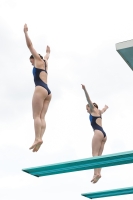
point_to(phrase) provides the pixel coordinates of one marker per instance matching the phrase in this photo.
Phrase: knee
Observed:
(36, 117)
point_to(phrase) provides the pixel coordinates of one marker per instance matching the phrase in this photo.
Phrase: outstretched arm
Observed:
(47, 53)
(29, 43)
(104, 109)
(88, 98)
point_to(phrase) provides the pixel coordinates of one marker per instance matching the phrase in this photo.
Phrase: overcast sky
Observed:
(82, 35)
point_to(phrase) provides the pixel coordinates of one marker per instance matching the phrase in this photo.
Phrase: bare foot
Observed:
(93, 177)
(35, 143)
(37, 147)
(97, 177)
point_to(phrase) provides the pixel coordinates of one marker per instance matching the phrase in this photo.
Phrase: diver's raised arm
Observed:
(104, 109)
(47, 53)
(88, 98)
(29, 43)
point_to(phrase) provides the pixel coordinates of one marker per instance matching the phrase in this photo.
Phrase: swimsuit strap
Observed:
(45, 66)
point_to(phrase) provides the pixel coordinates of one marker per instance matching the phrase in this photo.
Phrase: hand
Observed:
(25, 28)
(83, 86)
(106, 107)
(47, 49)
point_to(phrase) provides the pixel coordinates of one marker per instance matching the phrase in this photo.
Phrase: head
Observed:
(32, 59)
(88, 107)
(95, 105)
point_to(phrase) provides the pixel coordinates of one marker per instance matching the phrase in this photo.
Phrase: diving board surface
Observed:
(109, 193)
(84, 164)
(125, 49)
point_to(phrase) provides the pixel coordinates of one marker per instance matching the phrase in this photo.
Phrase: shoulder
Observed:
(99, 111)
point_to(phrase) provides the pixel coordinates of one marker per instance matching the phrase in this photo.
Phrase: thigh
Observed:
(102, 146)
(97, 141)
(37, 102)
(45, 105)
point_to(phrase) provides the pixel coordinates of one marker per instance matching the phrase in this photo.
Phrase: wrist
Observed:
(25, 32)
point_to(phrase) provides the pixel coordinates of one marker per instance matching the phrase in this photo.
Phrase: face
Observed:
(32, 61)
(88, 108)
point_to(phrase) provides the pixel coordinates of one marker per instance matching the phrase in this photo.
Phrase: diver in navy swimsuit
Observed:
(99, 138)
(94, 125)
(36, 72)
(42, 94)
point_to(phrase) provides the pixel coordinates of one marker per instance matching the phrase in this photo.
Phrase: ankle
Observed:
(98, 174)
(37, 139)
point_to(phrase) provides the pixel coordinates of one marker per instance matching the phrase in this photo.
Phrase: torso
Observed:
(43, 65)
(96, 121)
(97, 115)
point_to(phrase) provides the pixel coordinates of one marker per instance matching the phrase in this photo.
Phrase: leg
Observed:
(96, 145)
(42, 116)
(101, 151)
(37, 105)
(43, 113)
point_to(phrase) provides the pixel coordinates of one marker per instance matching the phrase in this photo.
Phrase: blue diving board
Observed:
(125, 49)
(109, 193)
(84, 164)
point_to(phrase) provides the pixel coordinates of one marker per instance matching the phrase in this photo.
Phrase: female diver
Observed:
(99, 137)
(42, 94)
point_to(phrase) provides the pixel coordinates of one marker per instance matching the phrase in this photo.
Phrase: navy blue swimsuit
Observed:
(38, 82)
(94, 125)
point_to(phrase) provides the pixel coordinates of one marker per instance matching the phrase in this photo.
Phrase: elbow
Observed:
(29, 45)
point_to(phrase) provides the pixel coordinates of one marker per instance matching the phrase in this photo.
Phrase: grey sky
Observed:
(82, 36)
